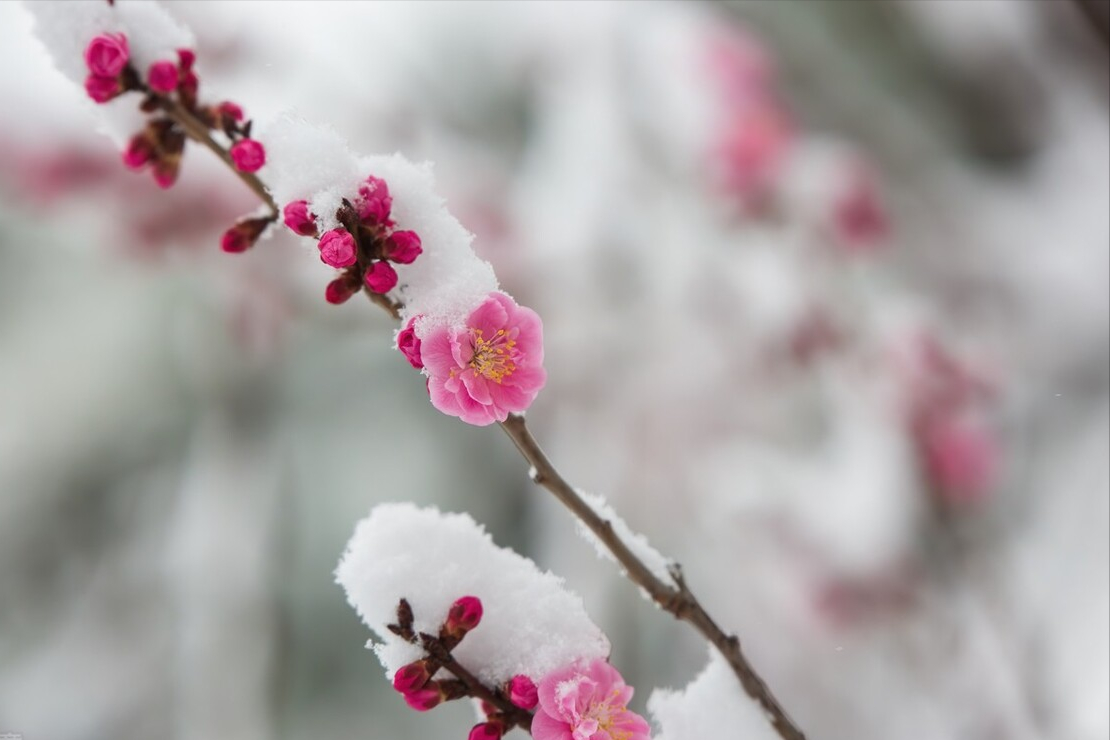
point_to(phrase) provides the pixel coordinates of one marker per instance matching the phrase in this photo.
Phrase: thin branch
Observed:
(198, 132)
(514, 715)
(1097, 13)
(676, 599)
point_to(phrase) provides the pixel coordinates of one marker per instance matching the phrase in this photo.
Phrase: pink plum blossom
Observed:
(107, 54)
(491, 367)
(248, 155)
(162, 77)
(102, 89)
(752, 150)
(381, 277)
(409, 344)
(337, 248)
(961, 457)
(859, 220)
(587, 701)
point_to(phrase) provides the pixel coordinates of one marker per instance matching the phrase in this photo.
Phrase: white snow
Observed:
(532, 624)
(712, 705)
(66, 28)
(655, 561)
(448, 280)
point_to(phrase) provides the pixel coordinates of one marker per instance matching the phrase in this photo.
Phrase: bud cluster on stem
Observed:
(364, 245)
(422, 691)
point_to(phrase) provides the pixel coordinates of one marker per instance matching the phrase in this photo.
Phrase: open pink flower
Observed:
(490, 368)
(587, 701)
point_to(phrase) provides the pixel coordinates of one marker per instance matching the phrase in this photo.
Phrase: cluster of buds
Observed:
(166, 86)
(422, 691)
(363, 245)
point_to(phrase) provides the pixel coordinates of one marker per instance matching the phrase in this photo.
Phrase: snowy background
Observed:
(769, 241)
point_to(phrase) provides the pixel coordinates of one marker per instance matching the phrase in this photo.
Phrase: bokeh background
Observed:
(825, 296)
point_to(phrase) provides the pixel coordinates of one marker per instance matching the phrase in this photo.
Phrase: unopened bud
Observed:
(337, 248)
(162, 77)
(248, 155)
(523, 693)
(486, 731)
(243, 235)
(403, 247)
(298, 218)
(381, 277)
(411, 677)
(423, 699)
(465, 614)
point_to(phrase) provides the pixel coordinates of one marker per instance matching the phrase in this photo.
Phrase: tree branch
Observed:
(675, 598)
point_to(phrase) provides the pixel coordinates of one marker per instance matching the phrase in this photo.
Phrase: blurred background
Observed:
(825, 294)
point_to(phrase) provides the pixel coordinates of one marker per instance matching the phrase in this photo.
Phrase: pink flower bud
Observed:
(298, 218)
(162, 77)
(381, 277)
(248, 155)
(187, 58)
(101, 88)
(337, 248)
(411, 677)
(107, 55)
(165, 171)
(465, 614)
(423, 699)
(230, 110)
(243, 235)
(403, 247)
(485, 731)
(374, 201)
(340, 290)
(138, 152)
(409, 345)
(523, 692)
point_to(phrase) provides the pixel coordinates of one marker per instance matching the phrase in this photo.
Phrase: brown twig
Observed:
(674, 597)
(1097, 13)
(199, 133)
(514, 716)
